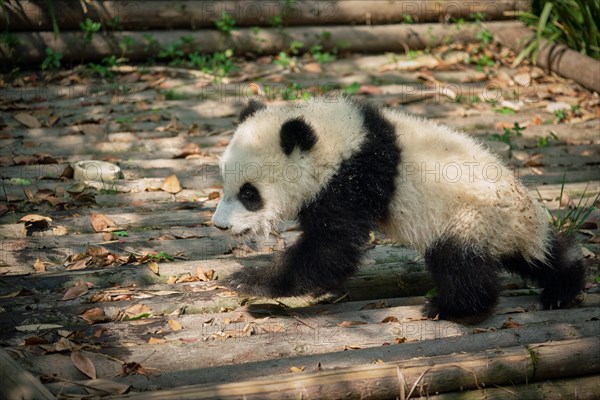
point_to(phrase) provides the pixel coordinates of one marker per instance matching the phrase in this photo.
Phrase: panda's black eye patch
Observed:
(250, 197)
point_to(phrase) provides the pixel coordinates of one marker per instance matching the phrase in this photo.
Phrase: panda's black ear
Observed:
(252, 107)
(297, 132)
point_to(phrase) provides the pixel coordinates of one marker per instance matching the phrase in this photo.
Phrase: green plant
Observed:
(161, 256)
(125, 44)
(218, 64)
(561, 114)
(9, 40)
(545, 140)
(89, 27)
(509, 134)
(505, 111)
(294, 92)
(352, 89)
(282, 59)
(295, 46)
(408, 19)
(485, 37)
(225, 24)
(321, 56)
(52, 60)
(569, 222)
(571, 22)
(173, 94)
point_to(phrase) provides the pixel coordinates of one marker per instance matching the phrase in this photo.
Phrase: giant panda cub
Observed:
(345, 168)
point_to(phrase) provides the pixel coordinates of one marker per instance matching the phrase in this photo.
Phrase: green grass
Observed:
(570, 22)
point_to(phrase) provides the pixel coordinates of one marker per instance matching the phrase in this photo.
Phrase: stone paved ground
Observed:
(128, 271)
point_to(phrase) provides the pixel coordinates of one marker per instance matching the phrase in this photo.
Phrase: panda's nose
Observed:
(223, 228)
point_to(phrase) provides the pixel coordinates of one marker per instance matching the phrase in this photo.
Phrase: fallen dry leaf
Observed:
(214, 195)
(346, 324)
(296, 369)
(171, 184)
(137, 310)
(28, 120)
(84, 364)
(132, 368)
(153, 266)
(75, 291)
(175, 325)
(313, 68)
(93, 315)
(35, 221)
(100, 222)
(370, 90)
(100, 387)
(33, 341)
(389, 319)
(154, 340)
(39, 265)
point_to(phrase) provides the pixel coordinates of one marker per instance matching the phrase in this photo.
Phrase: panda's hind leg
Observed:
(466, 280)
(562, 275)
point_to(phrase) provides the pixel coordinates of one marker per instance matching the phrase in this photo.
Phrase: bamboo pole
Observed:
(156, 14)
(583, 388)
(31, 47)
(552, 57)
(411, 378)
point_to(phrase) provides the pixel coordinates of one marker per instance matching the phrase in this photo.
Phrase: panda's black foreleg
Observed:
(316, 263)
(465, 278)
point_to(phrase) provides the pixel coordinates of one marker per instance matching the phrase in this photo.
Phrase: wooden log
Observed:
(154, 14)
(327, 360)
(17, 383)
(581, 388)
(428, 376)
(31, 47)
(553, 57)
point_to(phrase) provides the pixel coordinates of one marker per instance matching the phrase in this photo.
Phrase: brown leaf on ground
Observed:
(345, 324)
(35, 222)
(39, 265)
(510, 323)
(28, 120)
(154, 340)
(153, 266)
(174, 325)
(370, 90)
(171, 184)
(100, 387)
(389, 319)
(189, 149)
(296, 369)
(137, 310)
(313, 68)
(132, 368)
(75, 291)
(214, 195)
(33, 341)
(94, 315)
(205, 276)
(100, 222)
(83, 364)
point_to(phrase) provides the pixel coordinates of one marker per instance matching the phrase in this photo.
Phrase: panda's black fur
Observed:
(336, 224)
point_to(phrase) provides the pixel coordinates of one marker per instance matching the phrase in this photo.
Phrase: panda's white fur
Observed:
(343, 168)
(452, 182)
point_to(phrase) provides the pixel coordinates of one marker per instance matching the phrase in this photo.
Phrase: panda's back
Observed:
(449, 184)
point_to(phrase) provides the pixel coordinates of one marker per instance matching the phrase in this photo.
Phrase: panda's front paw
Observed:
(247, 282)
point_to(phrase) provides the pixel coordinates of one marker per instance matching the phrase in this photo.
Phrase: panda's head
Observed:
(267, 169)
